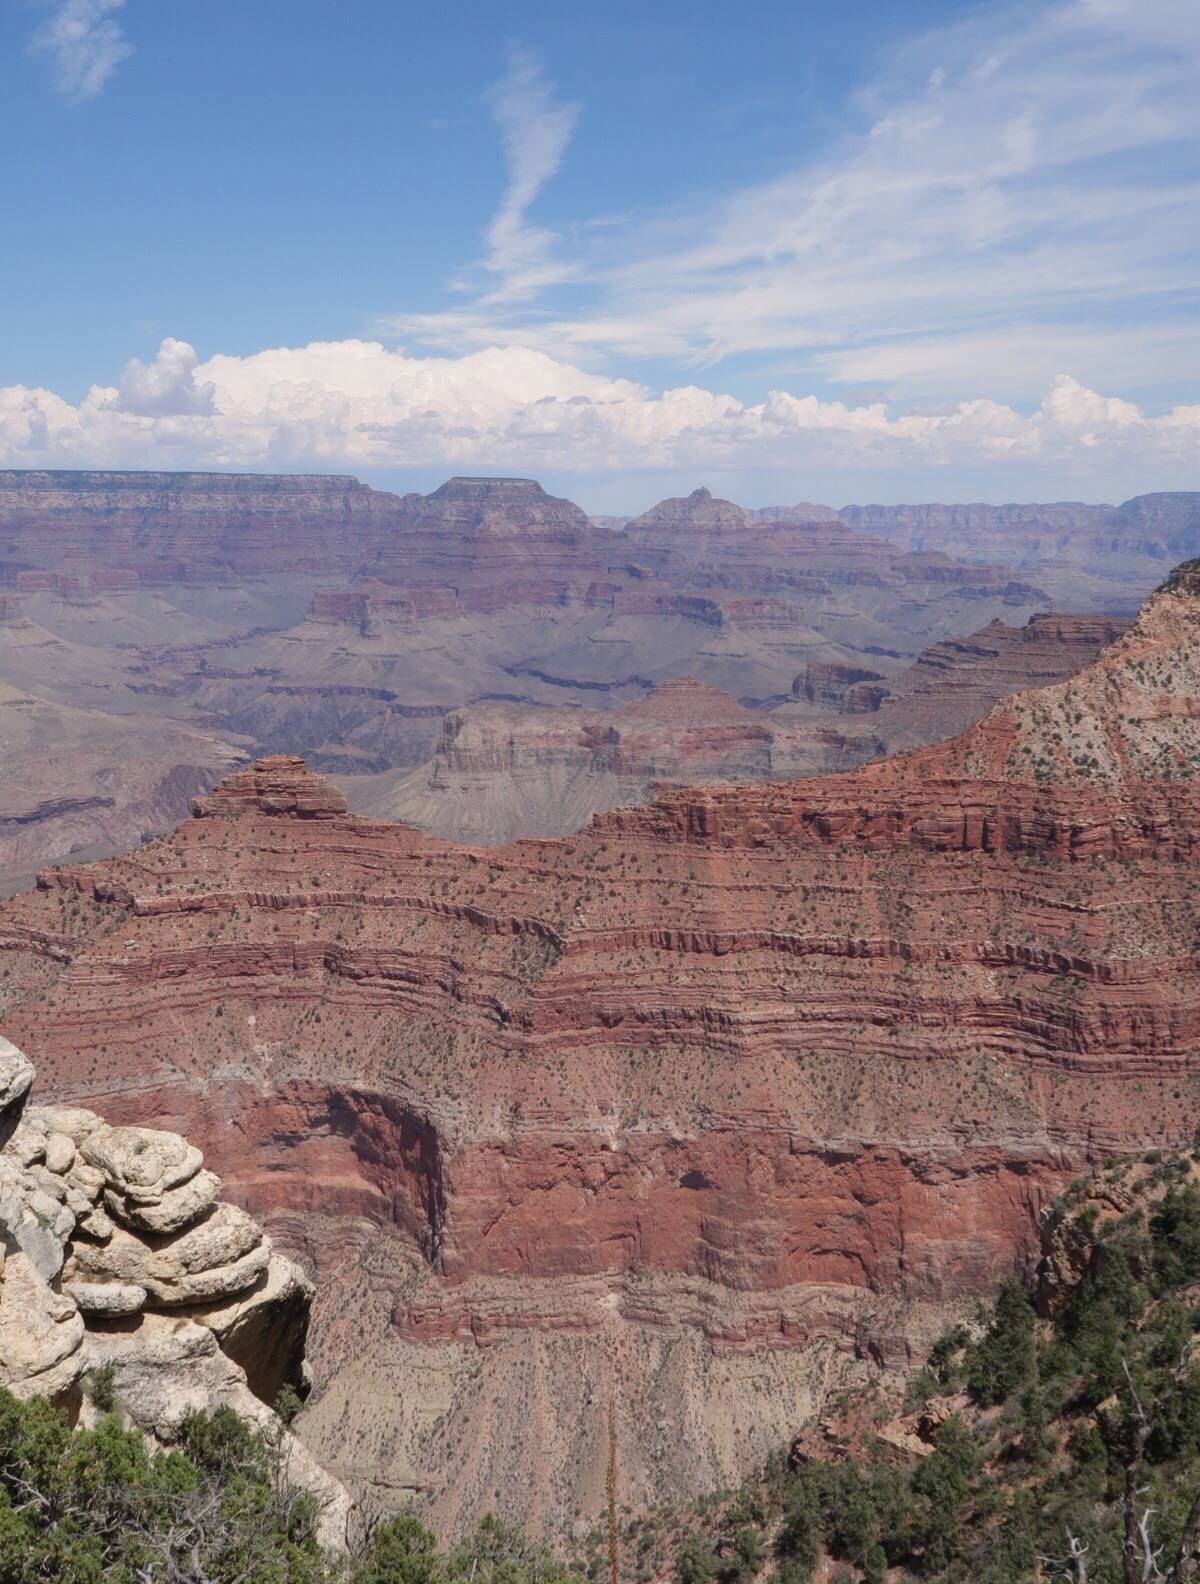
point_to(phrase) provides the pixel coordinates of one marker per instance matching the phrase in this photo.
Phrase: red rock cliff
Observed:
(852, 1031)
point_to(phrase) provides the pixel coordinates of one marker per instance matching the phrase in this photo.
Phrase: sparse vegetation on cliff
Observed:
(1032, 1450)
(1184, 579)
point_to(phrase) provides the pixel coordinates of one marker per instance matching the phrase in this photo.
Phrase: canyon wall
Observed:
(780, 1072)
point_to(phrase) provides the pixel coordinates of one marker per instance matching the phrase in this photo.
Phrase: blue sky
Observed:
(909, 251)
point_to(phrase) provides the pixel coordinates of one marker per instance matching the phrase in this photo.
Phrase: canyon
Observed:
(711, 1107)
(503, 771)
(158, 630)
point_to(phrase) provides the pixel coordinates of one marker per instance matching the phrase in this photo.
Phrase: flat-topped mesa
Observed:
(191, 527)
(280, 785)
(492, 543)
(501, 505)
(687, 699)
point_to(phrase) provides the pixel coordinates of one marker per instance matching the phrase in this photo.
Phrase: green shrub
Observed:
(1003, 1359)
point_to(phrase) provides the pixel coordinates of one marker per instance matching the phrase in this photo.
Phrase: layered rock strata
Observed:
(1003, 901)
(843, 1036)
(506, 770)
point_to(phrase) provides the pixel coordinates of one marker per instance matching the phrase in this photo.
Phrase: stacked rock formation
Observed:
(115, 1252)
(281, 783)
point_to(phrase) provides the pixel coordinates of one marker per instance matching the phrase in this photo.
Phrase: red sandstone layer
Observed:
(851, 1031)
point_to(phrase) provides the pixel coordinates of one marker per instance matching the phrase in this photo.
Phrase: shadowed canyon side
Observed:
(784, 1071)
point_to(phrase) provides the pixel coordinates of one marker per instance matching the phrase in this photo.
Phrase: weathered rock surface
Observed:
(41, 1332)
(106, 1299)
(221, 1253)
(76, 1294)
(16, 1075)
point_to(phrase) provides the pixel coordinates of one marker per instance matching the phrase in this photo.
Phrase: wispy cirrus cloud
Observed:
(85, 44)
(1026, 181)
(535, 128)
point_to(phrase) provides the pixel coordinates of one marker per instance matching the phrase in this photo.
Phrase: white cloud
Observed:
(86, 44)
(357, 405)
(167, 387)
(534, 128)
(1023, 179)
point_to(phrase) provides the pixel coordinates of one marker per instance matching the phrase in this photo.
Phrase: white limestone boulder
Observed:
(41, 1332)
(16, 1075)
(222, 1254)
(142, 1163)
(177, 1208)
(106, 1300)
(75, 1122)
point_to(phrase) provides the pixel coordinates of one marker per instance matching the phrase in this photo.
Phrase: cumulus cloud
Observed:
(1022, 180)
(357, 405)
(85, 43)
(167, 387)
(535, 128)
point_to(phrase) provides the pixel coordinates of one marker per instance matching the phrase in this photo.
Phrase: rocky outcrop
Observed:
(16, 1076)
(120, 1219)
(281, 785)
(1076, 1226)
(114, 1253)
(164, 1367)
